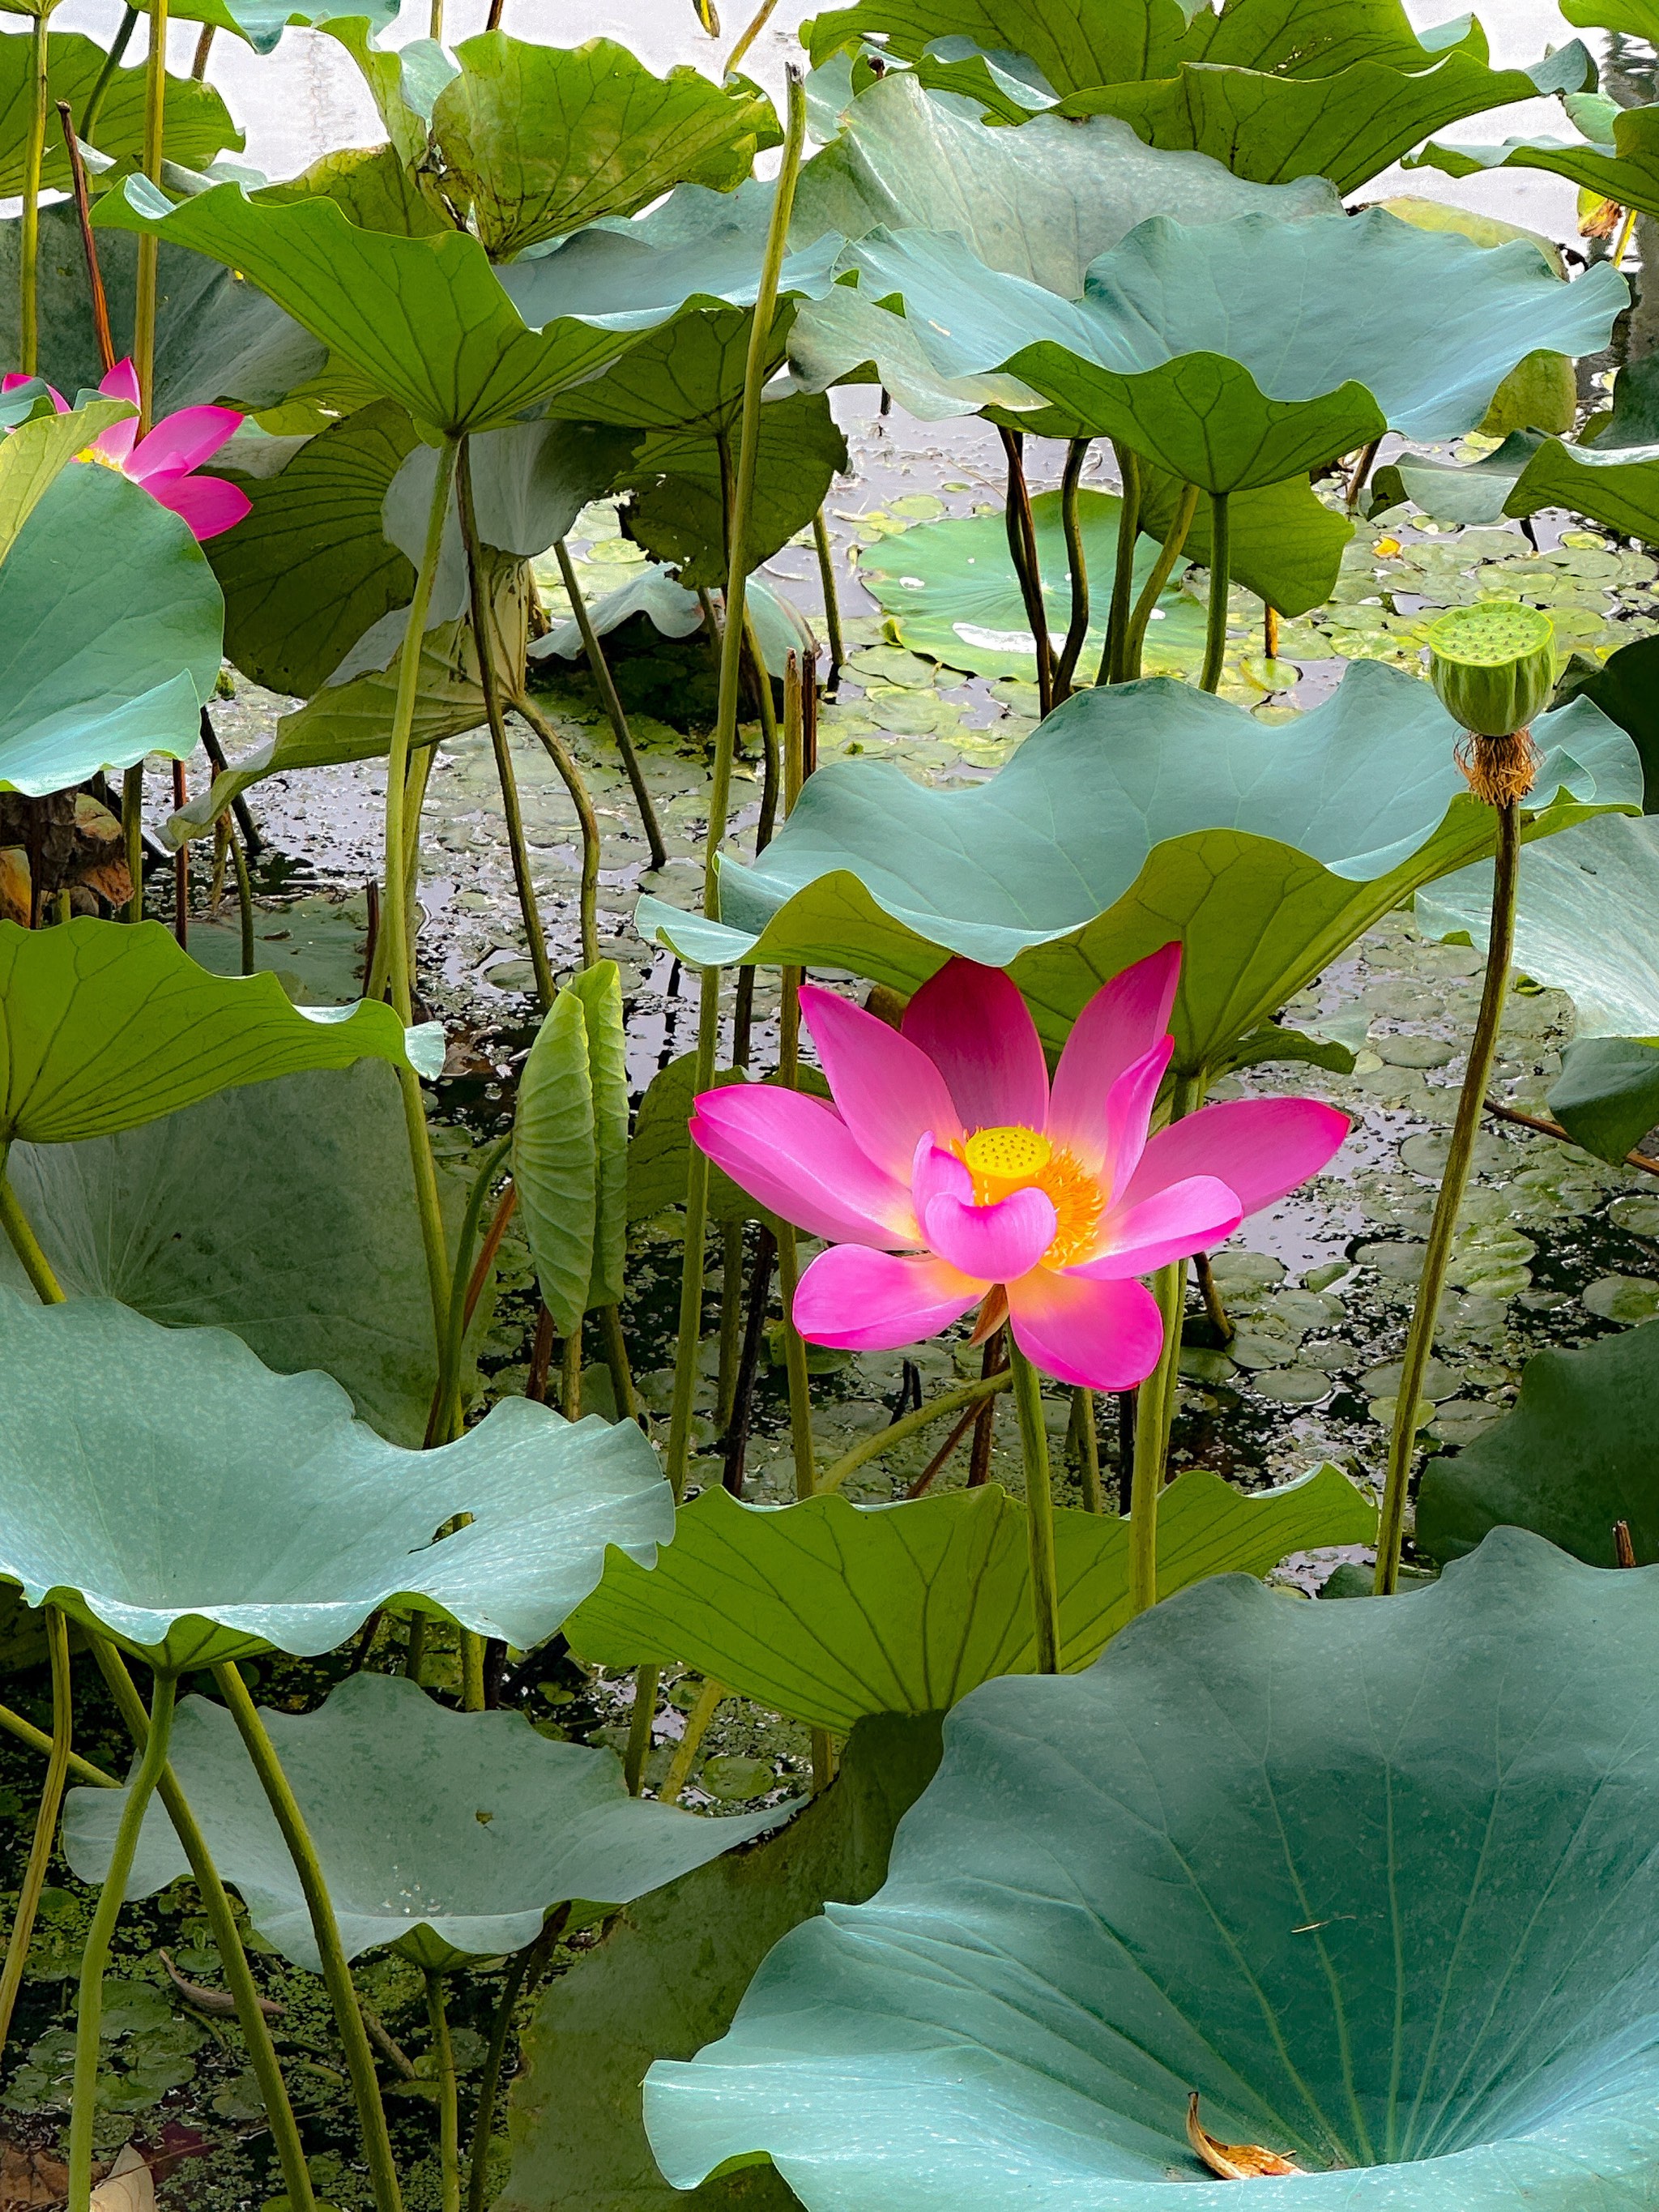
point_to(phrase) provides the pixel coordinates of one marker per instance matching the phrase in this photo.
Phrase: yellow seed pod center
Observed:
(1008, 1155)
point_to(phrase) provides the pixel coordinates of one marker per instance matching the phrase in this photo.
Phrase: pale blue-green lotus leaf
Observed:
(1476, 492)
(1621, 165)
(1238, 354)
(450, 1835)
(653, 591)
(1133, 816)
(262, 22)
(1375, 1881)
(164, 1486)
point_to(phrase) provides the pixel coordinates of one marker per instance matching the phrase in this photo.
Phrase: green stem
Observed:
(89, 2010)
(46, 1819)
(1022, 552)
(119, 46)
(1454, 1180)
(149, 247)
(571, 776)
(37, 1739)
(794, 1346)
(35, 148)
(616, 1359)
(204, 48)
(132, 836)
(730, 1329)
(710, 1698)
(640, 1727)
(445, 1423)
(221, 1922)
(769, 722)
(1087, 1445)
(1076, 635)
(1123, 572)
(831, 595)
(1155, 1395)
(21, 1235)
(1215, 627)
(511, 811)
(337, 1974)
(599, 668)
(244, 896)
(1153, 590)
(527, 1963)
(897, 1432)
(1039, 1508)
(449, 2114)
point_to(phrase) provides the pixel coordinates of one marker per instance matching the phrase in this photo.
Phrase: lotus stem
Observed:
(1215, 627)
(1076, 635)
(119, 46)
(524, 1966)
(762, 17)
(771, 772)
(1022, 552)
(149, 247)
(1212, 1297)
(45, 1818)
(1113, 653)
(599, 668)
(434, 22)
(512, 812)
(37, 1739)
(831, 595)
(337, 1974)
(731, 1328)
(215, 753)
(132, 836)
(445, 1423)
(1039, 1508)
(221, 1921)
(734, 1441)
(1153, 590)
(88, 245)
(1454, 1180)
(1085, 1443)
(571, 776)
(89, 2009)
(616, 1359)
(181, 864)
(1155, 1403)
(244, 896)
(1363, 467)
(570, 1376)
(449, 2116)
(794, 1348)
(20, 1233)
(642, 1724)
(710, 1698)
(881, 1441)
(34, 149)
(200, 59)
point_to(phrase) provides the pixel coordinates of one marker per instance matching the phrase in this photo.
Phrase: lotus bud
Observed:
(1493, 667)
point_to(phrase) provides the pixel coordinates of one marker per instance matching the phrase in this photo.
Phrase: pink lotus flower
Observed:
(950, 1174)
(164, 462)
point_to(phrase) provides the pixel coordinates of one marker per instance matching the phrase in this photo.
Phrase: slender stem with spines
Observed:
(794, 1348)
(1215, 627)
(132, 837)
(1076, 560)
(1123, 572)
(337, 1974)
(19, 1234)
(95, 1957)
(14, 1724)
(587, 821)
(221, 1922)
(244, 896)
(826, 554)
(872, 1446)
(204, 48)
(599, 668)
(1021, 531)
(149, 247)
(117, 47)
(489, 684)
(1155, 1405)
(449, 2112)
(88, 245)
(1039, 1509)
(28, 242)
(45, 1818)
(1088, 1449)
(1153, 590)
(524, 1966)
(1453, 1182)
(615, 1345)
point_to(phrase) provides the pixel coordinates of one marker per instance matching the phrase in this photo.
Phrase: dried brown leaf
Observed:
(1233, 2161)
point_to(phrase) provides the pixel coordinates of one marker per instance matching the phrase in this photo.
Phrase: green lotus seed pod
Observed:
(1493, 665)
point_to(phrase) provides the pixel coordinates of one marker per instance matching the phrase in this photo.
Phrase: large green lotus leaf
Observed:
(1635, 19)
(1574, 1455)
(665, 1975)
(35, 455)
(217, 339)
(670, 608)
(570, 1148)
(1451, 491)
(310, 569)
(106, 1025)
(529, 485)
(827, 1611)
(1040, 202)
(375, 188)
(1373, 1880)
(198, 125)
(1624, 166)
(677, 511)
(949, 590)
(262, 22)
(540, 140)
(284, 1211)
(1286, 544)
(1239, 353)
(163, 1485)
(1627, 688)
(488, 1825)
(424, 319)
(1135, 815)
(1349, 126)
(404, 82)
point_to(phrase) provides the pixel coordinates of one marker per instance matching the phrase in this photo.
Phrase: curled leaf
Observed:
(1233, 2161)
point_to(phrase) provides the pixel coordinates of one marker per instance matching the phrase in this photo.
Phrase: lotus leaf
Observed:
(827, 1611)
(666, 1975)
(163, 1486)
(1627, 688)
(1372, 1879)
(488, 1825)
(541, 140)
(198, 125)
(677, 512)
(34, 454)
(1633, 19)
(262, 22)
(1238, 354)
(673, 611)
(284, 1211)
(1134, 815)
(1574, 1455)
(105, 1026)
(376, 188)
(1475, 492)
(424, 319)
(570, 1148)
(1623, 166)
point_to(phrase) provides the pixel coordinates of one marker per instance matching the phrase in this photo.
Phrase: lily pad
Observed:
(487, 1825)
(1363, 1876)
(284, 1211)
(197, 122)
(165, 1487)
(105, 1025)
(1574, 1455)
(827, 1611)
(1132, 815)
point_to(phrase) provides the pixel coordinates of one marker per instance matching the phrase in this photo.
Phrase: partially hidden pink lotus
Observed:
(165, 461)
(950, 1174)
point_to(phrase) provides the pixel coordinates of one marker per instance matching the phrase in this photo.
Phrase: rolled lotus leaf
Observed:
(1376, 1880)
(448, 1835)
(1134, 814)
(165, 1488)
(1492, 666)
